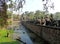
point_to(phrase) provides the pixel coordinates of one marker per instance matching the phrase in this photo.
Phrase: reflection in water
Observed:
(23, 35)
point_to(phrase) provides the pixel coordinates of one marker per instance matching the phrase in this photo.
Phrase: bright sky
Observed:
(33, 5)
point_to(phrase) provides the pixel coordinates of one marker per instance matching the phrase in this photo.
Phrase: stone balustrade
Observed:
(48, 33)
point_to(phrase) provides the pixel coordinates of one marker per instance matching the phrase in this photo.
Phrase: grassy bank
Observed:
(7, 40)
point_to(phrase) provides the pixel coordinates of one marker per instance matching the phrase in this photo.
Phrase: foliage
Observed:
(15, 5)
(3, 32)
(57, 16)
(3, 16)
(4, 40)
(33, 16)
(9, 13)
(39, 14)
(9, 22)
(7, 40)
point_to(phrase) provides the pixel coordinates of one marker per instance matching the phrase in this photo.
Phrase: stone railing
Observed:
(48, 33)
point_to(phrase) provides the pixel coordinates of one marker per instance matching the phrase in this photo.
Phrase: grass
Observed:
(4, 32)
(7, 40)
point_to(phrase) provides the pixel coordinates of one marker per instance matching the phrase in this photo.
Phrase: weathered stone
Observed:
(51, 34)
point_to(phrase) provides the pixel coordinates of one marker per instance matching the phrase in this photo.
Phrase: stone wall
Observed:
(51, 34)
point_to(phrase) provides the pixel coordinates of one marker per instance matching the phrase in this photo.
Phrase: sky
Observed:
(33, 5)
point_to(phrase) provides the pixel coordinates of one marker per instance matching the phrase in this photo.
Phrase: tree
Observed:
(57, 16)
(3, 14)
(16, 4)
(39, 14)
(9, 13)
(51, 17)
(29, 15)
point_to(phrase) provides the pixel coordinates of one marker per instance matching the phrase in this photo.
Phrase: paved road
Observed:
(21, 32)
